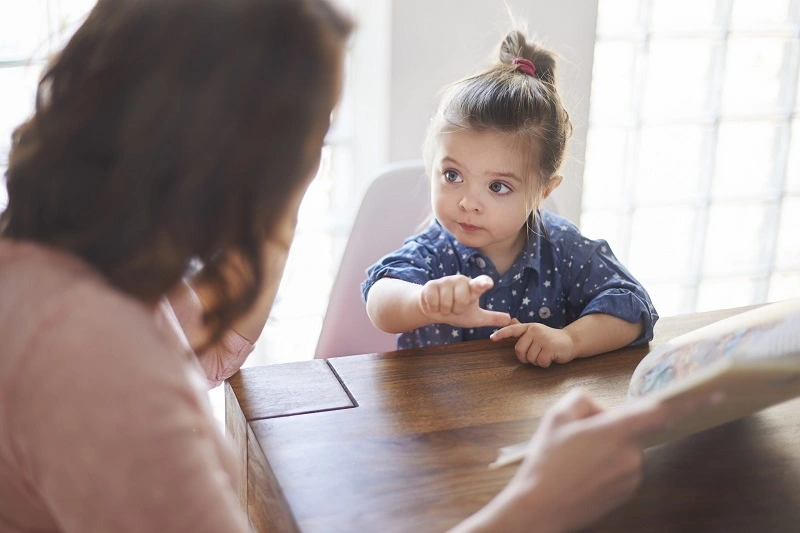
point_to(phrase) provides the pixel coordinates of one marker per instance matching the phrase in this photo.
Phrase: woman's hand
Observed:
(538, 344)
(582, 462)
(455, 300)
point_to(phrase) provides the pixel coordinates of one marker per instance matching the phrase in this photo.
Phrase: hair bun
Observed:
(516, 45)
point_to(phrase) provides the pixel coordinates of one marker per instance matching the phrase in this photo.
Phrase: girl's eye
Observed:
(499, 187)
(452, 176)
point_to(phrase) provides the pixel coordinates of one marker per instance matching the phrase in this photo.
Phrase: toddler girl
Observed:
(492, 264)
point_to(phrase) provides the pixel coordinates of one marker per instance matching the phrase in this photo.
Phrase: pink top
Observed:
(104, 418)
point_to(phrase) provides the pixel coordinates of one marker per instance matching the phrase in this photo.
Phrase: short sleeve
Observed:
(601, 284)
(418, 261)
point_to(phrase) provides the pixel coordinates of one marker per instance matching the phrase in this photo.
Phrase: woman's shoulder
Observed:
(48, 278)
(56, 305)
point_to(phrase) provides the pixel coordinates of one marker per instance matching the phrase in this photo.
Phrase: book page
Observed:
(725, 371)
(716, 374)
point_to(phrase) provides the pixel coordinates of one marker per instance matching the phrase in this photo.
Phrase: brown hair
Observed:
(506, 99)
(167, 132)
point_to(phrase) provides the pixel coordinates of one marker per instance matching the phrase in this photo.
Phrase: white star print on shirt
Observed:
(455, 333)
(569, 253)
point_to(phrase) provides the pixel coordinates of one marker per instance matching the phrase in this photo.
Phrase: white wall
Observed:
(435, 42)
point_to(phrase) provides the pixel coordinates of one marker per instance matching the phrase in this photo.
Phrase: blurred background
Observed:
(685, 157)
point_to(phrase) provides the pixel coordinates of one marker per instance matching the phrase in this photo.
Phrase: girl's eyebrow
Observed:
(509, 175)
(448, 159)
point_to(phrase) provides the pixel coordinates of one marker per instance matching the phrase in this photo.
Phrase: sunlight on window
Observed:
(693, 151)
(607, 224)
(618, 16)
(678, 78)
(788, 250)
(783, 285)
(735, 239)
(603, 181)
(18, 95)
(754, 74)
(744, 160)
(681, 15)
(725, 293)
(24, 30)
(659, 236)
(749, 14)
(3, 192)
(612, 77)
(669, 165)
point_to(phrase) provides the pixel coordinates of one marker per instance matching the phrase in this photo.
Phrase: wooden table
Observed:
(401, 442)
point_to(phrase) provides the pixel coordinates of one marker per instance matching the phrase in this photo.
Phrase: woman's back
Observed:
(95, 388)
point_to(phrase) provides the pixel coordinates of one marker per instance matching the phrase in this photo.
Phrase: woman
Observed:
(169, 134)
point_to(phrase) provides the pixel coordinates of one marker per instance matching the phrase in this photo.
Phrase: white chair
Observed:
(394, 207)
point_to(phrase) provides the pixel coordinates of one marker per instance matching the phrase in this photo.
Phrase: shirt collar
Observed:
(531, 252)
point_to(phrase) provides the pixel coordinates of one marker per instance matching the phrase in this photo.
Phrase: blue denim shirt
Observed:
(558, 277)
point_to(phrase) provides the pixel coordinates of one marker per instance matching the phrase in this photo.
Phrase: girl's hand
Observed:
(538, 344)
(455, 300)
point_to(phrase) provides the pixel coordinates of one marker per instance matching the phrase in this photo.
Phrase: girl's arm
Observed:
(590, 335)
(400, 306)
(599, 333)
(394, 306)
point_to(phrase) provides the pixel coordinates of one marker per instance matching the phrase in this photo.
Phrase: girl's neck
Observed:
(504, 254)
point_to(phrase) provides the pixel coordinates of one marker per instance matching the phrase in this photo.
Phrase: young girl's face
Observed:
(479, 189)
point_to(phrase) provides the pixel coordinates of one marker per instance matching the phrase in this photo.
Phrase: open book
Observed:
(744, 363)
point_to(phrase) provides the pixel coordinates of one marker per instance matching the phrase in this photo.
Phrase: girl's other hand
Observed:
(538, 344)
(455, 300)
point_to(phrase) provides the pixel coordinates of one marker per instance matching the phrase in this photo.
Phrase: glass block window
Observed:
(693, 155)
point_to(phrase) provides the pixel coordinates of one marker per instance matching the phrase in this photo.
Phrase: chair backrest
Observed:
(394, 207)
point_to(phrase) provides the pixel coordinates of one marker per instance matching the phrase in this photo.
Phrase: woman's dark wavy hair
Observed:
(168, 131)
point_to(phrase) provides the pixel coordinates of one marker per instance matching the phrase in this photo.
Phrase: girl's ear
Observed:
(551, 185)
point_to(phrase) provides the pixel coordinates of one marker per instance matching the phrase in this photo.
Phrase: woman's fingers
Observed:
(575, 405)
(637, 421)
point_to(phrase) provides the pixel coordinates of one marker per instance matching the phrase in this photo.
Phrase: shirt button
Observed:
(480, 262)
(544, 312)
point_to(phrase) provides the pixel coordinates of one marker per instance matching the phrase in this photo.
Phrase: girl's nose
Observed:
(469, 203)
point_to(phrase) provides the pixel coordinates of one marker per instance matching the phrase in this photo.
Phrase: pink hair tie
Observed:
(525, 65)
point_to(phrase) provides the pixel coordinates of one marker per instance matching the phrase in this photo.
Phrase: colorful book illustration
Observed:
(718, 373)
